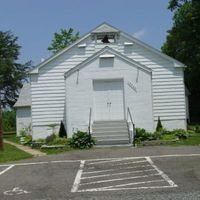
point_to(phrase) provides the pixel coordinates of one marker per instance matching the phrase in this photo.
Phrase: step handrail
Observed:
(89, 124)
(132, 137)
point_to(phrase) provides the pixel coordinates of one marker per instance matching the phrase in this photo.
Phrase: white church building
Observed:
(104, 82)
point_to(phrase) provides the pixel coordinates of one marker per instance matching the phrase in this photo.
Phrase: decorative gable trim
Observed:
(105, 28)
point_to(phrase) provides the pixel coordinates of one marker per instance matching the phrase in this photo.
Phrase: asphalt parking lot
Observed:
(154, 176)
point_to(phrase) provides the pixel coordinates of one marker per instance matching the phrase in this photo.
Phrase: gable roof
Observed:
(24, 99)
(105, 27)
(108, 52)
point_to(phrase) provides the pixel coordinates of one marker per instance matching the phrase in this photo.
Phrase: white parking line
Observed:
(127, 163)
(40, 163)
(109, 170)
(136, 183)
(132, 188)
(171, 183)
(116, 174)
(107, 161)
(145, 180)
(78, 177)
(5, 170)
(120, 179)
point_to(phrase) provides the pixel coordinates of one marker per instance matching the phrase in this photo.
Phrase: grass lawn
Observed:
(11, 138)
(194, 139)
(11, 153)
(15, 139)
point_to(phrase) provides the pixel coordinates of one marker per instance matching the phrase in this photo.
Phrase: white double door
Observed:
(109, 100)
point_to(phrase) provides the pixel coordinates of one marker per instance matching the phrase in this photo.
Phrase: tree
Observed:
(9, 120)
(159, 126)
(183, 44)
(12, 73)
(62, 131)
(63, 39)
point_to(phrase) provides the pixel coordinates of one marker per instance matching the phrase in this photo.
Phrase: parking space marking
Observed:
(164, 176)
(120, 179)
(116, 174)
(121, 185)
(109, 170)
(141, 174)
(78, 177)
(132, 188)
(7, 169)
(127, 163)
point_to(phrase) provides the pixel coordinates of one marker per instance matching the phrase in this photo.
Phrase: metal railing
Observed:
(90, 117)
(132, 136)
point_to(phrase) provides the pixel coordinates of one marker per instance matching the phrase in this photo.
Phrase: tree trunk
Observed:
(1, 129)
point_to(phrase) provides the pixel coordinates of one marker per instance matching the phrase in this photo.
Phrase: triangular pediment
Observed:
(105, 28)
(107, 52)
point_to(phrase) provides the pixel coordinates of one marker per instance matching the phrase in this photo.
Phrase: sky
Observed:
(35, 21)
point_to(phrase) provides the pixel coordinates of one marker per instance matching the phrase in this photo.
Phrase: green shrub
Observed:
(27, 139)
(180, 133)
(190, 132)
(159, 126)
(165, 132)
(169, 137)
(41, 140)
(142, 135)
(50, 138)
(22, 133)
(197, 129)
(157, 135)
(81, 140)
(190, 127)
(59, 141)
(25, 131)
(62, 132)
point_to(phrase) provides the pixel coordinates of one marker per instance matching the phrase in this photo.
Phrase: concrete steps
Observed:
(110, 132)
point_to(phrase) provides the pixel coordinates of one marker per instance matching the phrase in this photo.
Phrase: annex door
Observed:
(109, 100)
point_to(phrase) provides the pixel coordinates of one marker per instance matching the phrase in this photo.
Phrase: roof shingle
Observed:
(24, 98)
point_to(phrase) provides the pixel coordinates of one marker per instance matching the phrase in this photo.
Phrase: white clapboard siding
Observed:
(169, 107)
(167, 84)
(168, 104)
(167, 88)
(49, 90)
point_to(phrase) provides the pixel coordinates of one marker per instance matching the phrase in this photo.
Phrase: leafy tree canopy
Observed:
(9, 121)
(63, 39)
(12, 73)
(174, 4)
(183, 40)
